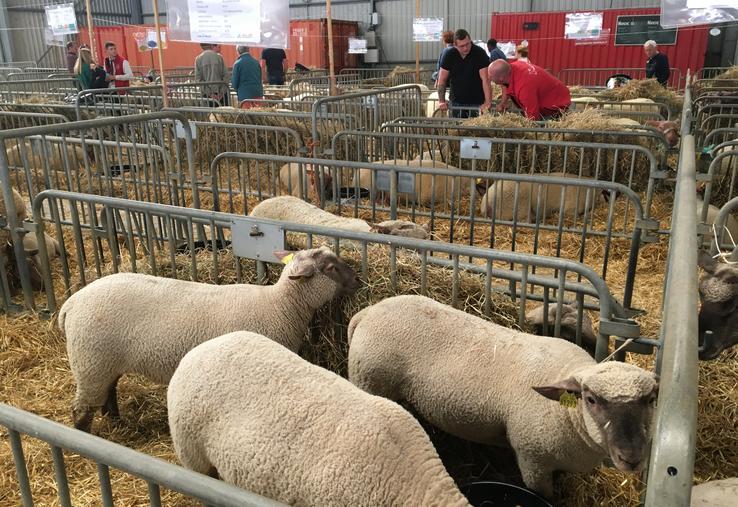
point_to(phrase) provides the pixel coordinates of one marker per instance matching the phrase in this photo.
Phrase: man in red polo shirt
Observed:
(534, 90)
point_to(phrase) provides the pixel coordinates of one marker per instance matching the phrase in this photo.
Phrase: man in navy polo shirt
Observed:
(657, 64)
(465, 68)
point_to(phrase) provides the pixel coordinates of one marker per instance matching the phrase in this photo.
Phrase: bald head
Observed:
(499, 72)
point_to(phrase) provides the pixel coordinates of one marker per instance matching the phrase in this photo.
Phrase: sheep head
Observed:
(719, 297)
(616, 401)
(401, 228)
(317, 266)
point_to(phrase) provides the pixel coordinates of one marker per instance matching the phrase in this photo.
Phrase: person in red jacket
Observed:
(540, 95)
(118, 69)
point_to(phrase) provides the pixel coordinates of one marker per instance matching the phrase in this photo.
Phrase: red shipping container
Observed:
(309, 43)
(549, 49)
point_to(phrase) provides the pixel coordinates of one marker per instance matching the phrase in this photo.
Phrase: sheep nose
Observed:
(633, 465)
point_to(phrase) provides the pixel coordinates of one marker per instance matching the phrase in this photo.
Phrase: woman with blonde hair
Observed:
(82, 68)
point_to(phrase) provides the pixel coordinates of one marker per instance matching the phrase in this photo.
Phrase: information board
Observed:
(583, 25)
(357, 46)
(636, 30)
(61, 19)
(427, 29)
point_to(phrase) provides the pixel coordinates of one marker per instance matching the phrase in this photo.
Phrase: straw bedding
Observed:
(648, 89)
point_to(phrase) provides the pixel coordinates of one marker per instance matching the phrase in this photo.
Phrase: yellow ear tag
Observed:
(288, 258)
(568, 400)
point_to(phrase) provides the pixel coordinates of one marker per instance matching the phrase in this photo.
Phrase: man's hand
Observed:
(443, 105)
(485, 107)
(109, 77)
(502, 106)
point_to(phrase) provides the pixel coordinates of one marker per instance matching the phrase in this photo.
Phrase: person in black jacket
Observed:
(657, 64)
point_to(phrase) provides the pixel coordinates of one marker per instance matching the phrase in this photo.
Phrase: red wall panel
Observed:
(549, 48)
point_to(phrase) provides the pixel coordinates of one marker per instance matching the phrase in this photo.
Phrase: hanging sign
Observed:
(263, 23)
(427, 29)
(61, 19)
(357, 46)
(697, 12)
(51, 39)
(146, 41)
(636, 30)
(583, 25)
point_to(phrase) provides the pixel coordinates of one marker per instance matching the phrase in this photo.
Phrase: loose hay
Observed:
(645, 88)
(581, 91)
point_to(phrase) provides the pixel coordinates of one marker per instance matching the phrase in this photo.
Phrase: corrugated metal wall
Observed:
(393, 33)
(28, 21)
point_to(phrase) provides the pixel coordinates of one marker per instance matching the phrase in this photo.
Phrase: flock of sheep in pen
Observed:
(245, 407)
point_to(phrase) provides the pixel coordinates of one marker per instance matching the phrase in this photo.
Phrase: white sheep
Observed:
(248, 410)
(429, 189)
(52, 153)
(641, 105)
(625, 122)
(499, 200)
(294, 177)
(137, 323)
(569, 318)
(21, 213)
(721, 493)
(582, 103)
(731, 224)
(483, 382)
(292, 209)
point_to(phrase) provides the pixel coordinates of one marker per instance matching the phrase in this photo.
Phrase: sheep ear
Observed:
(555, 391)
(284, 256)
(706, 262)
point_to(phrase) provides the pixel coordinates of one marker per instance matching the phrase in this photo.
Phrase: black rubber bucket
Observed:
(350, 192)
(118, 169)
(500, 494)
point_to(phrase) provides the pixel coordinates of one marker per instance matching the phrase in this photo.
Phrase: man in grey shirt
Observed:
(209, 68)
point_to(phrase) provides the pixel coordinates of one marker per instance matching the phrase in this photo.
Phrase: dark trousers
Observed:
(276, 79)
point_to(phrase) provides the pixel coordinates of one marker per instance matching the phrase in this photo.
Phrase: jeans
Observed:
(276, 79)
(464, 110)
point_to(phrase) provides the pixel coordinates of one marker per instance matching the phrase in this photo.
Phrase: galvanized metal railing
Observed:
(454, 210)
(156, 472)
(16, 120)
(672, 458)
(12, 91)
(316, 84)
(599, 76)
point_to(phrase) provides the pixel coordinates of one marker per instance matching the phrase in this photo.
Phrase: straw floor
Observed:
(34, 375)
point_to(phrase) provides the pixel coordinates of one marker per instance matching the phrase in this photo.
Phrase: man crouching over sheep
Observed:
(539, 94)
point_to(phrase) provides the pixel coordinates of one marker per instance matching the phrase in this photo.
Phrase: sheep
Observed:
(625, 122)
(292, 209)
(21, 213)
(569, 319)
(431, 104)
(112, 325)
(482, 382)
(286, 429)
(721, 493)
(582, 103)
(670, 129)
(728, 165)
(52, 153)
(731, 224)
(290, 175)
(719, 301)
(641, 105)
(500, 204)
(429, 189)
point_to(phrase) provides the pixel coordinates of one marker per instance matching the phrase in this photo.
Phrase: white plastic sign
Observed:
(427, 29)
(61, 19)
(262, 23)
(51, 39)
(357, 46)
(583, 25)
(180, 131)
(476, 149)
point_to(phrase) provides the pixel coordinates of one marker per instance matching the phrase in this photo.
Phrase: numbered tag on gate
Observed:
(476, 149)
(406, 183)
(180, 131)
(382, 180)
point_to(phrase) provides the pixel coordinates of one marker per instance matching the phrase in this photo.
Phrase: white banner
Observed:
(357, 46)
(427, 29)
(61, 19)
(229, 21)
(583, 25)
(51, 39)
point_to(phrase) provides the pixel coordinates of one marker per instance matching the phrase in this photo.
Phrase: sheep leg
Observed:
(535, 476)
(82, 417)
(111, 403)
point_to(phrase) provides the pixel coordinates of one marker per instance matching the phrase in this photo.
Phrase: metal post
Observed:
(165, 99)
(90, 29)
(331, 66)
(417, 46)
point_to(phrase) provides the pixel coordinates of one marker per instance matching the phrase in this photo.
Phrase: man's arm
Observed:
(285, 65)
(442, 78)
(127, 72)
(198, 70)
(263, 71)
(484, 76)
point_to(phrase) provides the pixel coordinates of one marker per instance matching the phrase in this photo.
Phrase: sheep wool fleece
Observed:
(297, 433)
(136, 323)
(474, 379)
